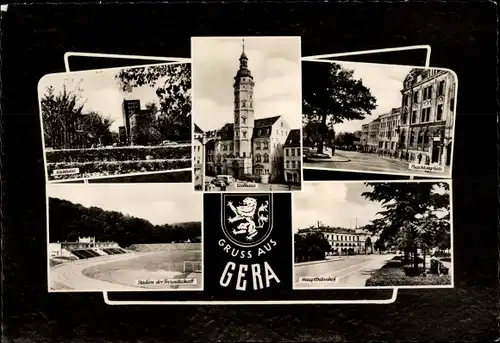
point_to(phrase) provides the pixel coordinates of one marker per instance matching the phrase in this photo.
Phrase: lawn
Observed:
(393, 274)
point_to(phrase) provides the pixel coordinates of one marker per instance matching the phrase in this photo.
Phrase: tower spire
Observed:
(243, 40)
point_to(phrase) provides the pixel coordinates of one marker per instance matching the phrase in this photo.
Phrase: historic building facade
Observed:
(388, 132)
(292, 157)
(197, 153)
(247, 146)
(373, 135)
(344, 241)
(427, 116)
(364, 137)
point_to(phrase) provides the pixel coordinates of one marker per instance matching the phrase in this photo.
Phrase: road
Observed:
(120, 272)
(371, 162)
(349, 271)
(259, 187)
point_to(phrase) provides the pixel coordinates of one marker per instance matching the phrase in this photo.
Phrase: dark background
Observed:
(463, 38)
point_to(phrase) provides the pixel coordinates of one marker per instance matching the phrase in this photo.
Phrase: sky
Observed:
(158, 203)
(100, 91)
(274, 64)
(333, 204)
(385, 83)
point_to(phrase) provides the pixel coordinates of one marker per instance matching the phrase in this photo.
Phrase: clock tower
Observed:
(243, 115)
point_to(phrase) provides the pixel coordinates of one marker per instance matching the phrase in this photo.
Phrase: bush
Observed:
(119, 154)
(393, 274)
(93, 169)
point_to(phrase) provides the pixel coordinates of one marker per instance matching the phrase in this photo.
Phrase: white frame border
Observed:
(451, 285)
(85, 180)
(47, 211)
(409, 174)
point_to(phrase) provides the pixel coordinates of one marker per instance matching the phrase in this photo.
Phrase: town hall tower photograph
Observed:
(247, 116)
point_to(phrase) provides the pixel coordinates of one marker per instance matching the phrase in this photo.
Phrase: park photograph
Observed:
(373, 235)
(124, 237)
(378, 118)
(130, 124)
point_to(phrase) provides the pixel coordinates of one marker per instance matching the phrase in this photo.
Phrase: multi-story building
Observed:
(364, 137)
(373, 135)
(197, 151)
(293, 157)
(388, 132)
(130, 109)
(344, 241)
(248, 146)
(427, 116)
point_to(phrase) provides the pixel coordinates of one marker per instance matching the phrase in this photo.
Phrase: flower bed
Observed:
(393, 274)
(119, 154)
(93, 169)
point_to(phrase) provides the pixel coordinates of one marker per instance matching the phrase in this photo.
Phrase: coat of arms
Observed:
(246, 219)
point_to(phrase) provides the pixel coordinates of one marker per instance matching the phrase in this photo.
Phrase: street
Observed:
(349, 271)
(370, 162)
(255, 187)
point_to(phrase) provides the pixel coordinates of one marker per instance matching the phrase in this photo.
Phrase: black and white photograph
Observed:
(378, 118)
(247, 113)
(373, 234)
(113, 123)
(124, 237)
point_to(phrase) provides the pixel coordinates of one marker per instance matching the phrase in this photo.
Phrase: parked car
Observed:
(227, 179)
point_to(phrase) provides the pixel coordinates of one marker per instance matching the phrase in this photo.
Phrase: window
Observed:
(420, 138)
(244, 120)
(412, 138)
(231, 146)
(243, 104)
(298, 151)
(218, 157)
(237, 133)
(287, 164)
(439, 114)
(257, 146)
(404, 117)
(441, 88)
(244, 154)
(224, 157)
(267, 171)
(277, 132)
(266, 158)
(266, 145)
(257, 158)
(286, 152)
(415, 97)
(452, 104)
(293, 164)
(293, 152)
(414, 117)
(224, 147)
(259, 132)
(426, 139)
(244, 134)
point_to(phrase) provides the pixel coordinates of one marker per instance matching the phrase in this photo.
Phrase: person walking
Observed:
(419, 158)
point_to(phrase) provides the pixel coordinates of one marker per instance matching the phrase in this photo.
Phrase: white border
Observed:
(118, 56)
(47, 211)
(410, 173)
(203, 170)
(107, 176)
(258, 302)
(376, 51)
(451, 285)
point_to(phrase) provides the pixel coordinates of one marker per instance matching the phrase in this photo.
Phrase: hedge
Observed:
(93, 169)
(119, 154)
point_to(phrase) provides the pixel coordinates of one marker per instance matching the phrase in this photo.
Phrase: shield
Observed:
(246, 219)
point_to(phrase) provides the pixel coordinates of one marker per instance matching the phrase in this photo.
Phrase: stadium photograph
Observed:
(124, 237)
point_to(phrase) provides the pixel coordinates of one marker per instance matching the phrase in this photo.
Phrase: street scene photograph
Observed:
(124, 237)
(118, 124)
(247, 113)
(374, 234)
(378, 118)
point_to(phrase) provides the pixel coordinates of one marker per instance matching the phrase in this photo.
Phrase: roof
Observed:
(324, 229)
(269, 121)
(293, 138)
(197, 129)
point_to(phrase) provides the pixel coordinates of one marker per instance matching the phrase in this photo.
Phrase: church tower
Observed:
(243, 114)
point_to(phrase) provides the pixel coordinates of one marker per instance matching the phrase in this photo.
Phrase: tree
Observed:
(97, 127)
(312, 246)
(174, 95)
(59, 114)
(415, 215)
(331, 95)
(146, 131)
